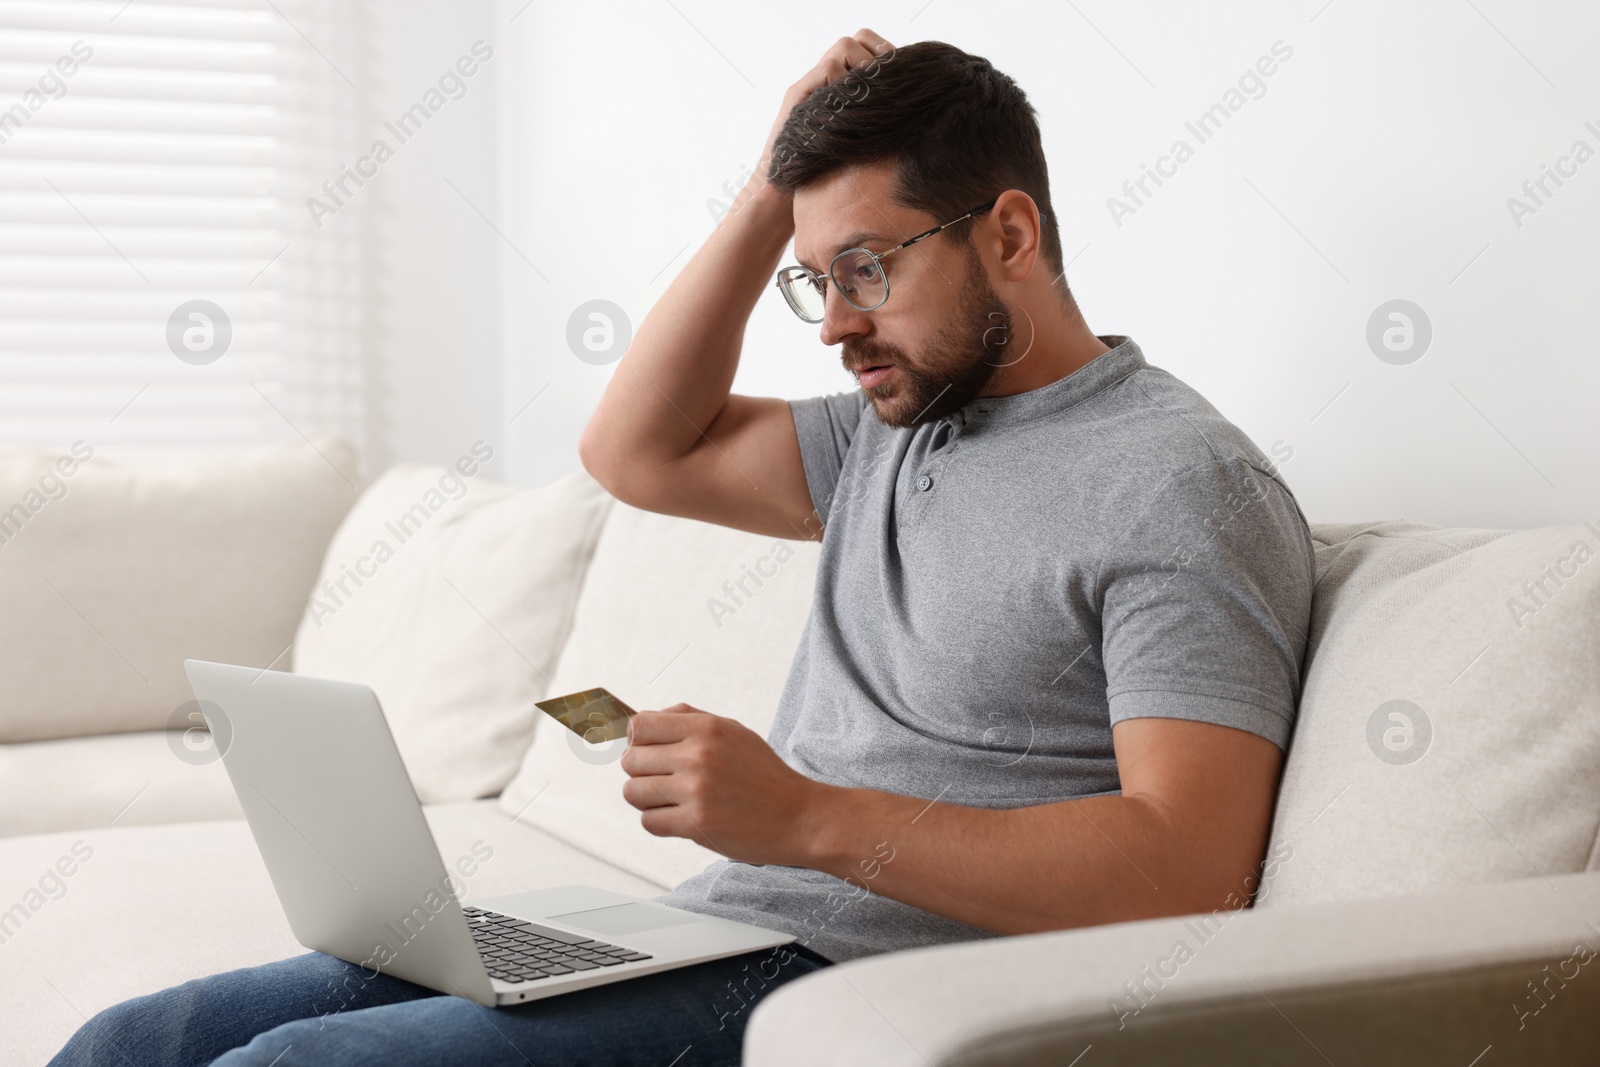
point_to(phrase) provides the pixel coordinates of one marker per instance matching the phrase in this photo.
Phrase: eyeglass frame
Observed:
(877, 258)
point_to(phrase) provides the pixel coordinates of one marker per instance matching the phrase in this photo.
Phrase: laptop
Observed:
(360, 877)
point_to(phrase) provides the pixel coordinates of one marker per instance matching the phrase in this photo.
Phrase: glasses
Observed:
(856, 272)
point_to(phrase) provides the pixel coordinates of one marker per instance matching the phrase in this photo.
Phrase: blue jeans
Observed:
(318, 1010)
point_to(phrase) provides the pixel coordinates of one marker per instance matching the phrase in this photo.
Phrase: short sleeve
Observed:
(826, 425)
(1206, 602)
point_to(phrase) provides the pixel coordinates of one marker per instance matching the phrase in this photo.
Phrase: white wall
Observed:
(1376, 166)
(432, 301)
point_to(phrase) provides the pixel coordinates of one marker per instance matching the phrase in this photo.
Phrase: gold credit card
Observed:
(594, 714)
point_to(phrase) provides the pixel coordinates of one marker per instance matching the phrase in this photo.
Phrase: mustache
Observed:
(863, 357)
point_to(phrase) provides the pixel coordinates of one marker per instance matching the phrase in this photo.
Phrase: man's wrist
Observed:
(825, 827)
(764, 201)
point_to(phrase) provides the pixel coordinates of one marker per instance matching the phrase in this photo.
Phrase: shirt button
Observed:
(925, 482)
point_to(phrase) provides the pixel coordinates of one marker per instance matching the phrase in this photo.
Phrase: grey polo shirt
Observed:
(997, 589)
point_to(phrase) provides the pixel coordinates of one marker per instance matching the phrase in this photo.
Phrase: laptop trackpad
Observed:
(621, 919)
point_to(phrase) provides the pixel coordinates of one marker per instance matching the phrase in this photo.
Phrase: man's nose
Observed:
(841, 319)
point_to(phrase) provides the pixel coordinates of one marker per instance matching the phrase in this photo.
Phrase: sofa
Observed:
(1430, 893)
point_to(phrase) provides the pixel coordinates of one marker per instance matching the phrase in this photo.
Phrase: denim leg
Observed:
(689, 1017)
(318, 1010)
(192, 1024)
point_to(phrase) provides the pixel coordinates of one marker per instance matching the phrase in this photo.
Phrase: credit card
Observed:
(594, 714)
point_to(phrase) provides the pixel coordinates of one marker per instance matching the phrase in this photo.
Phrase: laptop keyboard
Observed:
(514, 950)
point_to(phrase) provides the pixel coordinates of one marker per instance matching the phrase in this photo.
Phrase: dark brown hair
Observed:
(959, 132)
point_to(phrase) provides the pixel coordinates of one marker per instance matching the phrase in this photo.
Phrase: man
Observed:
(1055, 645)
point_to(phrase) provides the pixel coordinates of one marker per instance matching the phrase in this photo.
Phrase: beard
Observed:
(956, 365)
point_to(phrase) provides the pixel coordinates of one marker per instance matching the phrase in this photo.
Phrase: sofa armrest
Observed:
(1418, 979)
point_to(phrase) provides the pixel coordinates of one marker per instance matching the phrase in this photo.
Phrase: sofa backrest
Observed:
(1500, 688)
(672, 610)
(451, 596)
(111, 576)
(1449, 721)
(1448, 730)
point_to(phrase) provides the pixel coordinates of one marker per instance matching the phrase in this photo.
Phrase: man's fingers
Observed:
(852, 53)
(647, 759)
(661, 727)
(873, 43)
(668, 822)
(847, 54)
(654, 791)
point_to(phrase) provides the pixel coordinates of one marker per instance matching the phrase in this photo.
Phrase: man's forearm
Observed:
(678, 370)
(1186, 834)
(1014, 871)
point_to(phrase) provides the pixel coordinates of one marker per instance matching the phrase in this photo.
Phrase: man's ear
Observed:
(1021, 233)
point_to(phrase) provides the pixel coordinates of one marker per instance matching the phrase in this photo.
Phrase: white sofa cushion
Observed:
(656, 625)
(1498, 776)
(111, 576)
(114, 779)
(154, 906)
(466, 592)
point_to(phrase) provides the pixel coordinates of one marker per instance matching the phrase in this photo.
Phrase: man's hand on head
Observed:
(715, 781)
(861, 49)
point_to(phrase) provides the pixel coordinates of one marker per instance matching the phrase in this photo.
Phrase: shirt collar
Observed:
(1100, 373)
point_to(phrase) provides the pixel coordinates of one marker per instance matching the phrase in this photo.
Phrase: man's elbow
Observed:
(628, 478)
(593, 455)
(1199, 873)
(1221, 886)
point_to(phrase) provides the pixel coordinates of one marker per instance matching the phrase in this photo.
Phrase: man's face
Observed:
(943, 330)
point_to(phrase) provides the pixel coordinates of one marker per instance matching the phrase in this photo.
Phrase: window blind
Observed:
(162, 288)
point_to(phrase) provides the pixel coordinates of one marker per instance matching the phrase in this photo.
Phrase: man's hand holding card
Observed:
(701, 776)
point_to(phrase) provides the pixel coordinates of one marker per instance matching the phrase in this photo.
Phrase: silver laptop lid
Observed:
(339, 825)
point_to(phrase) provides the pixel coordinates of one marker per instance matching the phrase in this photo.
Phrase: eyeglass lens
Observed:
(858, 276)
(802, 293)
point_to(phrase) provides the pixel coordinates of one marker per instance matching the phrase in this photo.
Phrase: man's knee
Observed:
(374, 1037)
(305, 1043)
(191, 1022)
(110, 1036)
